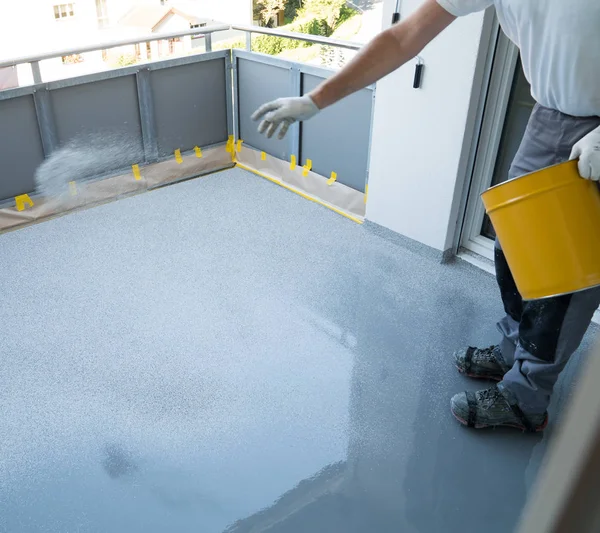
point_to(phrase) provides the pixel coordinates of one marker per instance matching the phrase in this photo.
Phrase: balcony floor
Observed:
(222, 355)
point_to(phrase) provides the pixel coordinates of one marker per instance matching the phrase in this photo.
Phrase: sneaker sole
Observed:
(478, 376)
(484, 426)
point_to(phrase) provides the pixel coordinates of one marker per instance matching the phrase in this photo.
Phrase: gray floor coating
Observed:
(222, 355)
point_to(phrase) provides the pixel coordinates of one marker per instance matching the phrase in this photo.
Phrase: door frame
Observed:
(486, 145)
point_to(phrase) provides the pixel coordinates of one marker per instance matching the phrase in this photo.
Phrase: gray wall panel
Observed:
(190, 104)
(259, 83)
(337, 139)
(100, 106)
(20, 146)
(104, 117)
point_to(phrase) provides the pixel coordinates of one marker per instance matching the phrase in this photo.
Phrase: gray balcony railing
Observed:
(196, 100)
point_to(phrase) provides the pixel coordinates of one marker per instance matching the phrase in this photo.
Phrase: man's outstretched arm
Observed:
(384, 54)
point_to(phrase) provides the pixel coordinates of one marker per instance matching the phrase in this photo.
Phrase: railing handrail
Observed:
(113, 44)
(307, 37)
(208, 30)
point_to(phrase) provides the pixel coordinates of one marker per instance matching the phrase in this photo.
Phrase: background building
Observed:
(32, 26)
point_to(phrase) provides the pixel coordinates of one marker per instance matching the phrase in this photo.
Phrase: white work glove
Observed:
(588, 152)
(284, 112)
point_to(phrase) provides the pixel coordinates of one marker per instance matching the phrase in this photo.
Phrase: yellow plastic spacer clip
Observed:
(178, 157)
(293, 162)
(229, 146)
(263, 156)
(333, 179)
(73, 188)
(198, 151)
(239, 145)
(307, 167)
(23, 200)
(136, 172)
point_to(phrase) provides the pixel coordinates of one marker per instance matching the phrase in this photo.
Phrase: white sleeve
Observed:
(458, 8)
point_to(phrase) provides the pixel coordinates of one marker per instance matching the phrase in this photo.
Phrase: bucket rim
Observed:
(564, 163)
(595, 286)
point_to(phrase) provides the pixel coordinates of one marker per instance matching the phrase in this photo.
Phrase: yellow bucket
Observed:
(548, 223)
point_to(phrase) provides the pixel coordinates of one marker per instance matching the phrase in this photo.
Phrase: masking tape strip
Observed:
(100, 191)
(73, 188)
(198, 151)
(178, 157)
(136, 172)
(300, 193)
(366, 193)
(332, 180)
(293, 162)
(22, 200)
(263, 156)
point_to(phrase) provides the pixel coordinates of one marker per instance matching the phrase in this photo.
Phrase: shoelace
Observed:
(488, 353)
(489, 397)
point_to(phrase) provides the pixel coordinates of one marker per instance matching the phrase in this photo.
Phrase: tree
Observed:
(291, 8)
(267, 9)
(327, 10)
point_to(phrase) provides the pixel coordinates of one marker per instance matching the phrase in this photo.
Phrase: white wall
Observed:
(418, 135)
(118, 8)
(30, 28)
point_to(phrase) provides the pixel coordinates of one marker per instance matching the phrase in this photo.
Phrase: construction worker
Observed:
(560, 50)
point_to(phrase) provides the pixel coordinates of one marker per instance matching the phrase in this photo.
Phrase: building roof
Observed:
(150, 17)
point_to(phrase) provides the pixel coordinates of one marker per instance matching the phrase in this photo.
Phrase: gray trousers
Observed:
(539, 336)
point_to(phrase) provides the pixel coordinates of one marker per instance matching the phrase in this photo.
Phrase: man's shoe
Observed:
(494, 407)
(482, 363)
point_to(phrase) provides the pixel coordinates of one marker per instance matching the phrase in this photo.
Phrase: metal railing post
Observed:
(147, 118)
(295, 146)
(37, 73)
(45, 117)
(208, 42)
(232, 106)
(249, 41)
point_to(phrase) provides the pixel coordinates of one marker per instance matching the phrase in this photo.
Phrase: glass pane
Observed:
(519, 109)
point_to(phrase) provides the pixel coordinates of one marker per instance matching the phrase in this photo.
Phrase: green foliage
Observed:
(125, 60)
(291, 9)
(267, 9)
(227, 45)
(326, 10)
(268, 44)
(314, 17)
(346, 13)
